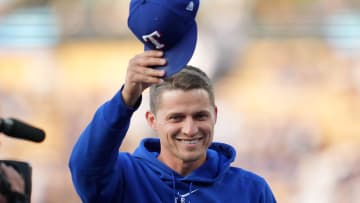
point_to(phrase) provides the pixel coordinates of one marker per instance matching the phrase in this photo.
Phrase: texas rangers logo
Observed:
(153, 38)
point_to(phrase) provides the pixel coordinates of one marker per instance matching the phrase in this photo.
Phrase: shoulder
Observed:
(254, 186)
(243, 176)
(124, 157)
(128, 159)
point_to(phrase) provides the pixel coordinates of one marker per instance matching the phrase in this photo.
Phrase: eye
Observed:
(175, 118)
(202, 116)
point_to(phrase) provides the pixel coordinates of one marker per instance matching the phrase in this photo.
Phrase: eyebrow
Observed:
(195, 113)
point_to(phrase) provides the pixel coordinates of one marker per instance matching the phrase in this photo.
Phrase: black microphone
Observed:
(17, 129)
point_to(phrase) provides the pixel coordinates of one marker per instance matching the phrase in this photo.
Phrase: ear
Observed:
(215, 113)
(151, 120)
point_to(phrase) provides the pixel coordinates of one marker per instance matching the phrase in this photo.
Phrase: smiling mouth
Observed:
(189, 141)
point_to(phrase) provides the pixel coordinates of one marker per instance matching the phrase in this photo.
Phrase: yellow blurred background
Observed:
(286, 75)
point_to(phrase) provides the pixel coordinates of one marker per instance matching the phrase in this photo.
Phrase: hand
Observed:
(140, 75)
(14, 178)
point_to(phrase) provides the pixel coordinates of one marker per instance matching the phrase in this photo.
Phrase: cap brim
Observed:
(180, 54)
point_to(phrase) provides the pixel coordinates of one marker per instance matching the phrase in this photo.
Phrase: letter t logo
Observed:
(153, 38)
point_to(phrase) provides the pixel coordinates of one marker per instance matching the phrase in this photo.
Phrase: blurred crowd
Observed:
(287, 81)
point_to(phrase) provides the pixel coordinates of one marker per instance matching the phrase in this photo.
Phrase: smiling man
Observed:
(183, 113)
(182, 165)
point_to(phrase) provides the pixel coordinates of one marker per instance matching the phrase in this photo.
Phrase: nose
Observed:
(189, 127)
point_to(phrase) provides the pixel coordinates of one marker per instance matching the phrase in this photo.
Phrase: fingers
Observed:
(141, 75)
(149, 59)
(152, 53)
(140, 71)
(147, 73)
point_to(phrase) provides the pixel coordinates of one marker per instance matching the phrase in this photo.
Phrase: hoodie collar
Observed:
(219, 158)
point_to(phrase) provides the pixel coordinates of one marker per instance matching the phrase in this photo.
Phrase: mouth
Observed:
(189, 141)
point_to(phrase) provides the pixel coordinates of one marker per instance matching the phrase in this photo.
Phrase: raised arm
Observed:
(94, 156)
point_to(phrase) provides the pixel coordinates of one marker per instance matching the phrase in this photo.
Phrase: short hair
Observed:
(188, 78)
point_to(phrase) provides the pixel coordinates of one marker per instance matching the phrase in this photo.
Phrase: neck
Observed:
(181, 167)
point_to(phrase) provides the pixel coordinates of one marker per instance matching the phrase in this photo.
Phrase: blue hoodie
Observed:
(102, 174)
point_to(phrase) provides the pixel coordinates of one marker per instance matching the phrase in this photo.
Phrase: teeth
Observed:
(190, 141)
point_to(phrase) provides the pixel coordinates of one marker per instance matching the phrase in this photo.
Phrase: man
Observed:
(182, 165)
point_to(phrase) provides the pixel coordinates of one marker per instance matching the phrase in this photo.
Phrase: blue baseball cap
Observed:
(167, 25)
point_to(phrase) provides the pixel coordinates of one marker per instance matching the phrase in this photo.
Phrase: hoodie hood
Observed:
(219, 158)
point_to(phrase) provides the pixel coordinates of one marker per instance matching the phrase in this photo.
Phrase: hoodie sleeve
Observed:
(95, 153)
(267, 196)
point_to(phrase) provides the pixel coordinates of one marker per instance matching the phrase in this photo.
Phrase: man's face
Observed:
(185, 123)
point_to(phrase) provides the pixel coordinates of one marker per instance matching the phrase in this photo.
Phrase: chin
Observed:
(192, 157)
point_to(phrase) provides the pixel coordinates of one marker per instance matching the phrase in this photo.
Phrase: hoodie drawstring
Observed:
(177, 196)
(174, 187)
(190, 191)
